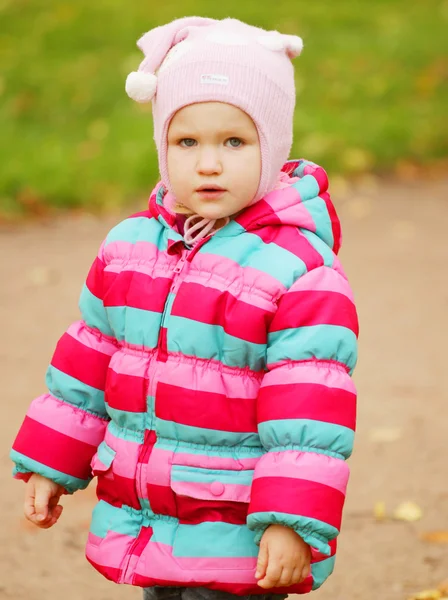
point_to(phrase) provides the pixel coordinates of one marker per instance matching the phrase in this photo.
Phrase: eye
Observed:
(235, 142)
(187, 142)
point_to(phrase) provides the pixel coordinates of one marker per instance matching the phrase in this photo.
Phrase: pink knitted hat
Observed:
(196, 59)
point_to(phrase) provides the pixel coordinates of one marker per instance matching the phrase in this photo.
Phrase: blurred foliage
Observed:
(371, 82)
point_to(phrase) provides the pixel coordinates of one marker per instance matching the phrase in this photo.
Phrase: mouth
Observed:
(210, 191)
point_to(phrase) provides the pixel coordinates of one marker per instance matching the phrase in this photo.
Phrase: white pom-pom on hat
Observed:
(141, 86)
(293, 45)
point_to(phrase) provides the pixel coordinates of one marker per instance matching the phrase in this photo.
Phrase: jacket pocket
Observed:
(212, 506)
(211, 484)
(101, 462)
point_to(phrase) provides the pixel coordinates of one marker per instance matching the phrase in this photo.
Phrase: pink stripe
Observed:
(199, 489)
(118, 253)
(68, 419)
(111, 552)
(159, 467)
(324, 279)
(288, 206)
(311, 466)
(92, 339)
(232, 275)
(162, 565)
(126, 457)
(211, 377)
(318, 372)
(213, 462)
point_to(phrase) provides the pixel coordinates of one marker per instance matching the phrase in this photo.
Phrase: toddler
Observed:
(208, 384)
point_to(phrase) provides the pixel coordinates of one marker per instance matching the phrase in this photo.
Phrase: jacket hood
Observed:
(300, 199)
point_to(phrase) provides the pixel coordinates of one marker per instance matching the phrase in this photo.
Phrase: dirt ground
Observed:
(395, 253)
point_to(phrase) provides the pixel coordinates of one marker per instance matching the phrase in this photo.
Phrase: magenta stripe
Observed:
(318, 468)
(307, 401)
(77, 360)
(205, 409)
(317, 372)
(293, 241)
(137, 290)
(216, 307)
(310, 308)
(68, 419)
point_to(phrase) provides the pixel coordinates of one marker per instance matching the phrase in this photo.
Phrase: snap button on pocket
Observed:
(217, 488)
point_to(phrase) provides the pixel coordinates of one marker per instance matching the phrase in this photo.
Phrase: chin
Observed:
(212, 213)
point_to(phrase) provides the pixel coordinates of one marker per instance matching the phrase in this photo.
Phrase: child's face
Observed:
(213, 144)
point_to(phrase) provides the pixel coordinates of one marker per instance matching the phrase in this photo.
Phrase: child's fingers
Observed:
(273, 574)
(285, 577)
(297, 575)
(262, 562)
(306, 571)
(41, 502)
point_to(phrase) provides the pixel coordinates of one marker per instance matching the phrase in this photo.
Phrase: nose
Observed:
(209, 161)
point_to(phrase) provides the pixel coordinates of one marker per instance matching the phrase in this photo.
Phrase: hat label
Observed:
(215, 79)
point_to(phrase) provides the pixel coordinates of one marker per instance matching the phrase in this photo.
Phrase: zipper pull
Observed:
(180, 265)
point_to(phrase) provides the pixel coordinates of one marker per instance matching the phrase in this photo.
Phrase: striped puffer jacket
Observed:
(209, 391)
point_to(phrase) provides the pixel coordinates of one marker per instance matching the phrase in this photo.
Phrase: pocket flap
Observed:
(208, 484)
(103, 458)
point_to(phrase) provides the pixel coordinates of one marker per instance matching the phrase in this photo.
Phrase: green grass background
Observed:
(371, 82)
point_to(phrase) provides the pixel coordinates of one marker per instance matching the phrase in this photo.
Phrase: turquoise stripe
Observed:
(134, 325)
(249, 250)
(236, 453)
(320, 246)
(333, 439)
(202, 436)
(316, 342)
(126, 434)
(151, 412)
(169, 305)
(164, 531)
(28, 465)
(298, 171)
(321, 571)
(211, 342)
(139, 229)
(307, 187)
(93, 312)
(200, 475)
(110, 518)
(315, 533)
(128, 420)
(200, 541)
(106, 454)
(75, 392)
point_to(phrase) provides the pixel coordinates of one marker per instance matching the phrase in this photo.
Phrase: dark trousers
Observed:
(199, 593)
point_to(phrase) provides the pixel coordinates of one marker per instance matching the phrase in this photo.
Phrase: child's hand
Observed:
(284, 558)
(41, 501)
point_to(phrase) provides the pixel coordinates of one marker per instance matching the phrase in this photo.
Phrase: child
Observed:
(208, 385)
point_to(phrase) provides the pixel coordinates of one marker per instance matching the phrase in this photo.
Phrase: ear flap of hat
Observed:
(155, 44)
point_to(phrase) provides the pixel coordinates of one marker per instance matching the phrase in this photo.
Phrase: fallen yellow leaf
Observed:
(435, 537)
(408, 511)
(427, 595)
(379, 511)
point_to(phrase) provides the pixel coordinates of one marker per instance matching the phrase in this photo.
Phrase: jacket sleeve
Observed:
(306, 410)
(63, 428)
